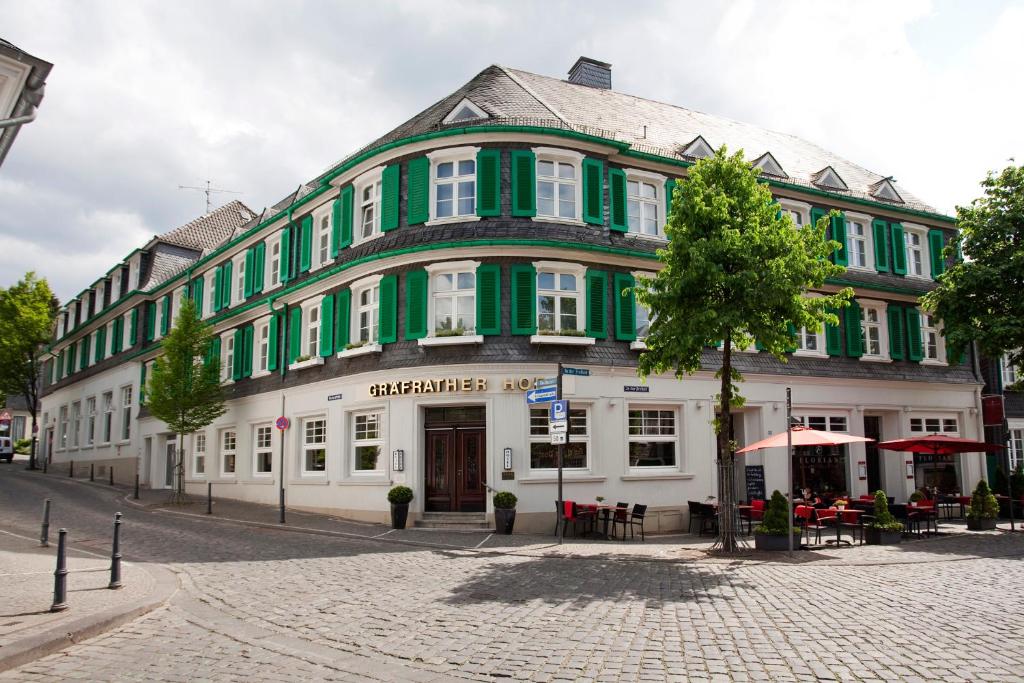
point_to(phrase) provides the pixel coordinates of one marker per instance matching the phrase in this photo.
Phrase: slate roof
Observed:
(211, 230)
(516, 97)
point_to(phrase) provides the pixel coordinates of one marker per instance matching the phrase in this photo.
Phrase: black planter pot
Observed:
(504, 520)
(880, 537)
(399, 513)
(981, 524)
(769, 542)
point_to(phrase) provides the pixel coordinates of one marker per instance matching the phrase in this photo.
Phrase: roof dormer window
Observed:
(465, 111)
(885, 190)
(698, 148)
(828, 179)
(769, 166)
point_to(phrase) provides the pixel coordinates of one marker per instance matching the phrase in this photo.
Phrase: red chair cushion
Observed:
(757, 504)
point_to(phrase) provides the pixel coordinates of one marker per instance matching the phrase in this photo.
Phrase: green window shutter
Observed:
(165, 317)
(625, 307)
(247, 335)
(597, 304)
(816, 215)
(794, 344)
(841, 256)
(524, 299)
(115, 335)
(345, 232)
(83, 354)
(899, 249)
(327, 326)
(593, 191)
(915, 350)
(273, 334)
(617, 191)
(249, 272)
(416, 304)
(198, 285)
(142, 383)
(260, 266)
(150, 320)
(488, 183)
(213, 351)
(133, 328)
(670, 187)
(936, 241)
(71, 358)
(880, 233)
(854, 343)
(418, 202)
(238, 360)
(97, 350)
(388, 329)
(294, 334)
(389, 198)
(524, 183)
(488, 299)
(286, 254)
(897, 332)
(342, 305)
(225, 290)
(306, 244)
(336, 228)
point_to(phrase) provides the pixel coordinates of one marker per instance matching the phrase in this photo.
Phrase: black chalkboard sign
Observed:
(755, 482)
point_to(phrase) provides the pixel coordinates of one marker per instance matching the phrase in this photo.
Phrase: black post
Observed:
(71, 469)
(111, 475)
(44, 464)
(92, 471)
(60, 576)
(209, 497)
(561, 457)
(136, 495)
(115, 555)
(44, 534)
(280, 475)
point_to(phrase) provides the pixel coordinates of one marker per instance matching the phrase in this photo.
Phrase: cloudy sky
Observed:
(259, 96)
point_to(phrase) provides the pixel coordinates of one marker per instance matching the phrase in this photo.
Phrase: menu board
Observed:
(755, 482)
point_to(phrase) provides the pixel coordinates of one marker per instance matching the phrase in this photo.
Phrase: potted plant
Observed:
(504, 512)
(983, 510)
(883, 529)
(915, 497)
(399, 497)
(772, 532)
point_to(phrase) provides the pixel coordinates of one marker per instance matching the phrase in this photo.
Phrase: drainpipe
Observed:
(18, 120)
(980, 426)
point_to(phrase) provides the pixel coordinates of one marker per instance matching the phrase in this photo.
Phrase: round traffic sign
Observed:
(282, 423)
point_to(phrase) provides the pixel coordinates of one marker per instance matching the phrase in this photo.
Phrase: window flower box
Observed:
(563, 338)
(306, 362)
(359, 350)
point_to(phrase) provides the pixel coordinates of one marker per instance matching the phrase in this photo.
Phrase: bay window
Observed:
(544, 455)
(652, 437)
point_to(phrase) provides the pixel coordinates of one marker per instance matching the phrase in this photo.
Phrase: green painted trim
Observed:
(878, 288)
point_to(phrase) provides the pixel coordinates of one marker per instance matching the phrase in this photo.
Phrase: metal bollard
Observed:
(115, 556)
(209, 497)
(92, 471)
(44, 464)
(71, 469)
(111, 475)
(60, 576)
(136, 495)
(44, 534)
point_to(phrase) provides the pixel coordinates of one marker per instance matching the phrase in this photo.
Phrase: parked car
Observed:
(6, 449)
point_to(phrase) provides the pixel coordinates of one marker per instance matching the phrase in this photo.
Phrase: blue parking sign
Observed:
(559, 411)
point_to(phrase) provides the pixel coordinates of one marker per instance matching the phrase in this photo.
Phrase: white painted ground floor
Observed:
(452, 432)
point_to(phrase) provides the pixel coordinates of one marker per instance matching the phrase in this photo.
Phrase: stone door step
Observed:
(452, 520)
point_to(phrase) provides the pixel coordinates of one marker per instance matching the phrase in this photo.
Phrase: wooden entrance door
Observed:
(455, 469)
(873, 430)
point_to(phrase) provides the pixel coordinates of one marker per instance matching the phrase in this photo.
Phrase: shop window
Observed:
(821, 469)
(652, 437)
(934, 425)
(558, 298)
(263, 454)
(228, 441)
(453, 298)
(199, 454)
(544, 455)
(367, 442)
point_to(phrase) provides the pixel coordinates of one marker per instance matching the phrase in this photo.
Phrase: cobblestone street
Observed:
(266, 604)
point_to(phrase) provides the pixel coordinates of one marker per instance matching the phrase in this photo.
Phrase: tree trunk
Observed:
(727, 539)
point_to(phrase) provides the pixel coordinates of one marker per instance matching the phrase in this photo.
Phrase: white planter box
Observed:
(638, 346)
(452, 341)
(299, 365)
(360, 350)
(562, 340)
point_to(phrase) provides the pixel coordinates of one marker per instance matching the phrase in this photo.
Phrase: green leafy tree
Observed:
(735, 270)
(184, 389)
(978, 299)
(27, 313)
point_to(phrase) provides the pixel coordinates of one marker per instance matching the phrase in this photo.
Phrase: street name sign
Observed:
(542, 395)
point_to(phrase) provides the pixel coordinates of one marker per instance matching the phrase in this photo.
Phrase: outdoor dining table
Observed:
(605, 512)
(841, 518)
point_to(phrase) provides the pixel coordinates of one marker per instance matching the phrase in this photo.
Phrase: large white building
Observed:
(397, 307)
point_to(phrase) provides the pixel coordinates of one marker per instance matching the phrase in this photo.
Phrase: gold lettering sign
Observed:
(448, 384)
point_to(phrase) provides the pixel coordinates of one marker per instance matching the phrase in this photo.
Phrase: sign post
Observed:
(282, 423)
(561, 459)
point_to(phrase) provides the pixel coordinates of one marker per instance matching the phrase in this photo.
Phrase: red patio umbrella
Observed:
(803, 436)
(938, 444)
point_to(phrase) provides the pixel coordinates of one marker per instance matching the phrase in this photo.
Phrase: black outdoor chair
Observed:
(703, 515)
(619, 516)
(911, 522)
(636, 519)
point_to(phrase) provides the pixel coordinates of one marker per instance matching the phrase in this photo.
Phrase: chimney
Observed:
(592, 73)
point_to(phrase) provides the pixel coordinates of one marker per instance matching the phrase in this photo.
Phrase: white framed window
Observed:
(935, 425)
(110, 343)
(178, 299)
(858, 241)
(453, 298)
(239, 274)
(228, 443)
(314, 445)
(1008, 370)
(645, 203)
(199, 454)
(810, 342)
(322, 237)
(914, 243)
(262, 346)
(273, 274)
(453, 183)
(653, 437)
(1016, 449)
(107, 427)
(263, 451)
(311, 336)
(62, 427)
(367, 442)
(76, 423)
(366, 310)
(90, 421)
(823, 423)
(367, 205)
(873, 334)
(799, 212)
(227, 355)
(559, 192)
(544, 456)
(931, 339)
(208, 292)
(115, 285)
(126, 413)
(559, 297)
(642, 316)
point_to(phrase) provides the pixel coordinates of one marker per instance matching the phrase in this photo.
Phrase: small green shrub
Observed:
(355, 345)
(505, 500)
(23, 446)
(572, 333)
(983, 503)
(916, 497)
(301, 359)
(399, 495)
(884, 521)
(457, 332)
(776, 516)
